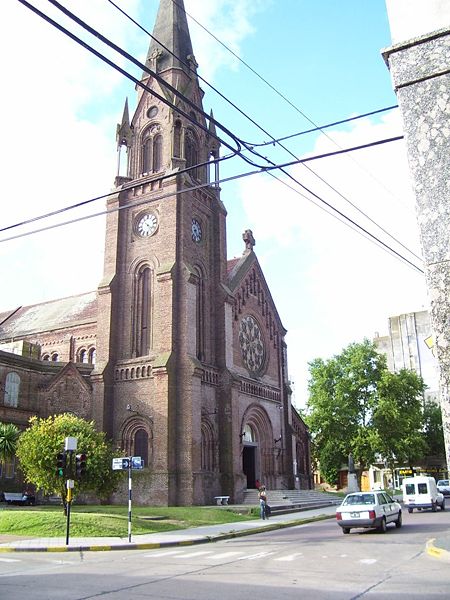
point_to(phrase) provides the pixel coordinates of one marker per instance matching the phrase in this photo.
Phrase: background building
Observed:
(408, 345)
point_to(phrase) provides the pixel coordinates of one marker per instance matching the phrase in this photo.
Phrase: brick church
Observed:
(180, 354)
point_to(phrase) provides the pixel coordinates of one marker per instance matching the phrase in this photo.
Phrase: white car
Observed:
(443, 485)
(369, 510)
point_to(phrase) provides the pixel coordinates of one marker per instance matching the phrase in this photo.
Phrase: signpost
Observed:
(70, 445)
(130, 463)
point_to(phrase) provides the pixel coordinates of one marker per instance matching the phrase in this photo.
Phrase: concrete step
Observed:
(293, 497)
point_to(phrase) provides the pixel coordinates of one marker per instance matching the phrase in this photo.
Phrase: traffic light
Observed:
(80, 465)
(61, 464)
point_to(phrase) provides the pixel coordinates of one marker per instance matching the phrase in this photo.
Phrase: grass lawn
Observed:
(110, 521)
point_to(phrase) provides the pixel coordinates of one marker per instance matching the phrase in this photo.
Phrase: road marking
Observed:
(165, 553)
(368, 561)
(9, 560)
(290, 557)
(224, 555)
(194, 554)
(256, 556)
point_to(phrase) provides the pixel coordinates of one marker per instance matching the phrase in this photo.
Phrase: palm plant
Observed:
(9, 434)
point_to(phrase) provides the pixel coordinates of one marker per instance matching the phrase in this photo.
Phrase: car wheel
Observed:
(398, 522)
(346, 530)
(443, 504)
(433, 506)
(382, 527)
(410, 510)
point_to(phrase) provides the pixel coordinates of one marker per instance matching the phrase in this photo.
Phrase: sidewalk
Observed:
(183, 537)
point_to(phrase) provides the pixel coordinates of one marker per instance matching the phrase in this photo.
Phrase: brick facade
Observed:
(190, 360)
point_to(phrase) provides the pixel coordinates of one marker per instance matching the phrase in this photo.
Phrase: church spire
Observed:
(172, 32)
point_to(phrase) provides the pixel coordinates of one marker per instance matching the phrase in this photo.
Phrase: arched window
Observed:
(200, 314)
(137, 439)
(249, 435)
(92, 356)
(82, 356)
(141, 445)
(55, 357)
(177, 140)
(191, 153)
(46, 357)
(142, 312)
(151, 159)
(147, 155)
(207, 448)
(157, 153)
(12, 384)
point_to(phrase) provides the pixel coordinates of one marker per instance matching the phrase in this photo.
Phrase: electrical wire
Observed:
(135, 203)
(327, 126)
(134, 79)
(266, 82)
(99, 55)
(161, 178)
(251, 147)
(181, 171)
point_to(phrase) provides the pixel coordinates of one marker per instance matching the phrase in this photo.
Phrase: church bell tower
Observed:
(165, 259)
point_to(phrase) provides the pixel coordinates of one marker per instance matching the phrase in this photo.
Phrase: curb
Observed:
(157, 545)
(436, 552)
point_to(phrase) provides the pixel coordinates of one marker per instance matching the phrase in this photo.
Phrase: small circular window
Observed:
(152, 112)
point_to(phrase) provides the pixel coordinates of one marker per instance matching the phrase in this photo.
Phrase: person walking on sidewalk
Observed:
(262, 495)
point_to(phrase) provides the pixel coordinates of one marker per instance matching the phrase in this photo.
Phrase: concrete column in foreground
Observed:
(419, 62)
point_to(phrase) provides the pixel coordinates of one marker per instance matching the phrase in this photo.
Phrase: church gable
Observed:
(257, 329)
(69, 391)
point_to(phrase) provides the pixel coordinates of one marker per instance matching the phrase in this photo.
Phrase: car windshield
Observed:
(360, 499)
(443, 482)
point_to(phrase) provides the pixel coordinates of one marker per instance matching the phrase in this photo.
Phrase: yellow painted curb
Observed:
(432, 550)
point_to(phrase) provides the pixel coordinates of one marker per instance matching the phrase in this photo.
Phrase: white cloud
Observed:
(338, 286)
(230, 21)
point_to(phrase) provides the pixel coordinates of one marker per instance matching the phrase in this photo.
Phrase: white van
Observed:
(421, 492)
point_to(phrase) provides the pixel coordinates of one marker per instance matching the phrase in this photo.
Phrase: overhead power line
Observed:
(327, 126)
(294, 106)
(342, 217)
(251, 147)
(111, 63)
(188, 169)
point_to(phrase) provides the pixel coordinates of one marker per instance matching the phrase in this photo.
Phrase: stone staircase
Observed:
(287, 501)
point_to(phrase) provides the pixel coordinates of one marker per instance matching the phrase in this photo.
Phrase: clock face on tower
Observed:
(146, 225)
(196, 229)
(252, 345)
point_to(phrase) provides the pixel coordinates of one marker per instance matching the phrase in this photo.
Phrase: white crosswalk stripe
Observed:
(289, 557)
(10, 560)
(194, 554)
(256, 556)
(224, 555)
(164, 553)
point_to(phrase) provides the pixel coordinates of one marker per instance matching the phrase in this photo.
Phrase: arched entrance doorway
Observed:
(249, 455)
(257, 459)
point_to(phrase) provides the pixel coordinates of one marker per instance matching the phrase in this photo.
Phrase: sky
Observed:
(288, 66)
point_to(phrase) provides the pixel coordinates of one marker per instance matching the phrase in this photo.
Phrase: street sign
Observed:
(119, 464)
(137, 462)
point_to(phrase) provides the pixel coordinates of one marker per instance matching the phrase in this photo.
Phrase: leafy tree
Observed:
(9, 434)
(398, 417)
(432, 429)
(356, 405)
(39, 445)
(342, 397)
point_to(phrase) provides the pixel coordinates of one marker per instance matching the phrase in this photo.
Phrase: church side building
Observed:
(180, 355)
